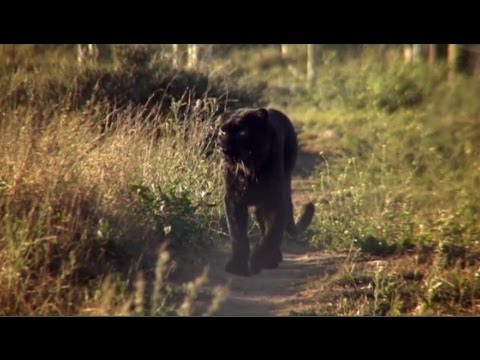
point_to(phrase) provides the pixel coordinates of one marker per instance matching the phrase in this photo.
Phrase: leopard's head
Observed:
(244, 137)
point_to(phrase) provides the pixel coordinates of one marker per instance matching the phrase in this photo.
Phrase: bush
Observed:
(70, 216)
(135, 78)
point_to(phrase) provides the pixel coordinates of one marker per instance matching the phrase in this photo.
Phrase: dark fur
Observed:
(259, 149)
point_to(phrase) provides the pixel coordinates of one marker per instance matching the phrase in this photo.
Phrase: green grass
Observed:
(399, 176)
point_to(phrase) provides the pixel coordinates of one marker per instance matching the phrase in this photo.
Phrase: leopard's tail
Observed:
(304, 220)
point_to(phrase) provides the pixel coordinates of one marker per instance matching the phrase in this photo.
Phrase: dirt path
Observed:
(272, 292)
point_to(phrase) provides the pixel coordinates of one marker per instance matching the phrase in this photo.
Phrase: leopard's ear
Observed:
(262, 113)
(225, 116)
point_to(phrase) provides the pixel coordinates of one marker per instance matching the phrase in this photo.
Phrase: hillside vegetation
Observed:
(106, 192)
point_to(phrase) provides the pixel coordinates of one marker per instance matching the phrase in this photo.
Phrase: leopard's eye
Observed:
(242, 133)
